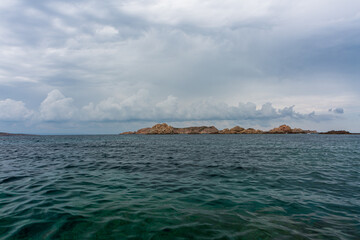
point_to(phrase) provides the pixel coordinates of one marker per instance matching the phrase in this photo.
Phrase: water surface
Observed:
(180, 187)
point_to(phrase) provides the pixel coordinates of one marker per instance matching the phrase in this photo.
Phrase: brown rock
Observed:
(297, 130)
(251, 131)
(281, 130)
(143, 131)
(225, 131)
(209, 130)
(127, 133)
(236, 130)
(285, 129)
(162, 128)
(336, 132)
(14, 134)
(197, 130)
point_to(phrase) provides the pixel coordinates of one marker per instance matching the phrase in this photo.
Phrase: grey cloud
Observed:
(337, 110)
(233, 51)
(140, 107)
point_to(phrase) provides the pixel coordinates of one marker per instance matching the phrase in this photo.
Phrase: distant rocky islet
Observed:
(163, 128)
(13, 134)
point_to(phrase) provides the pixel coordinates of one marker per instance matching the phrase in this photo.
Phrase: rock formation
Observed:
(252, 131)
(336, 132)
(129, 132)
(197, 130)
(234, 130)
(285, 129)
(164, 128)
(282, 129)
(13, 134)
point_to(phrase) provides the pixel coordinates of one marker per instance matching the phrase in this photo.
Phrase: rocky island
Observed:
(13, 134)
(337, 132)
(164, 128)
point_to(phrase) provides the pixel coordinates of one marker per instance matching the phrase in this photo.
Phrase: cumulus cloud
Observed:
(57, 107)
(11, 110)
(141, 107)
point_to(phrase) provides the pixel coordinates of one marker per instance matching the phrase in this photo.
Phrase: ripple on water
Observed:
(180, 187)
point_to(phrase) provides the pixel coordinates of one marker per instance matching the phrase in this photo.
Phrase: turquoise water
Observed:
(180, 187)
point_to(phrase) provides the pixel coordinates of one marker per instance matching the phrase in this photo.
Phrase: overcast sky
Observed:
(111, 66)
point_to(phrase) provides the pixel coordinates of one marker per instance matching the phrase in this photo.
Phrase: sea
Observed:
(180, 187)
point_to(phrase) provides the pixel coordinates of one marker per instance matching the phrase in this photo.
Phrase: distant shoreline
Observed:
(15, 134)
(165, 129)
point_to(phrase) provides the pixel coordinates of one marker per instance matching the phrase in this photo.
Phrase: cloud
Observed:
(337, 110)
(141, 107)
(106, 31)
(11, 110)
(196, 59)
(57, 110)
(206, 14)
(56, 107)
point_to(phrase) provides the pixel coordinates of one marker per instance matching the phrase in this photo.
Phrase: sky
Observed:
(92, 67)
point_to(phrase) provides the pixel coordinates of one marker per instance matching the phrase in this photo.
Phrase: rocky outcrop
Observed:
(285, 129)
(252, 131)
(336, 132)
(224, 131)
(14, 134)
(127, 133)
(282, 129)
(143, 131)
(164, 128)
(197, 130)
(234, 130)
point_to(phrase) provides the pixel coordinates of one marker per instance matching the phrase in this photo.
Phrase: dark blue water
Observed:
(180, 187)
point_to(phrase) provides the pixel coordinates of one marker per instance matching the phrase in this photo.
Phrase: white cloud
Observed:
(59, 24)
(202, 13)
(56, 107)
(11, 110)
(115, 109)
(106, 31)
(79, 9)
(141, 107)
(306, 15)
(168, 107)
